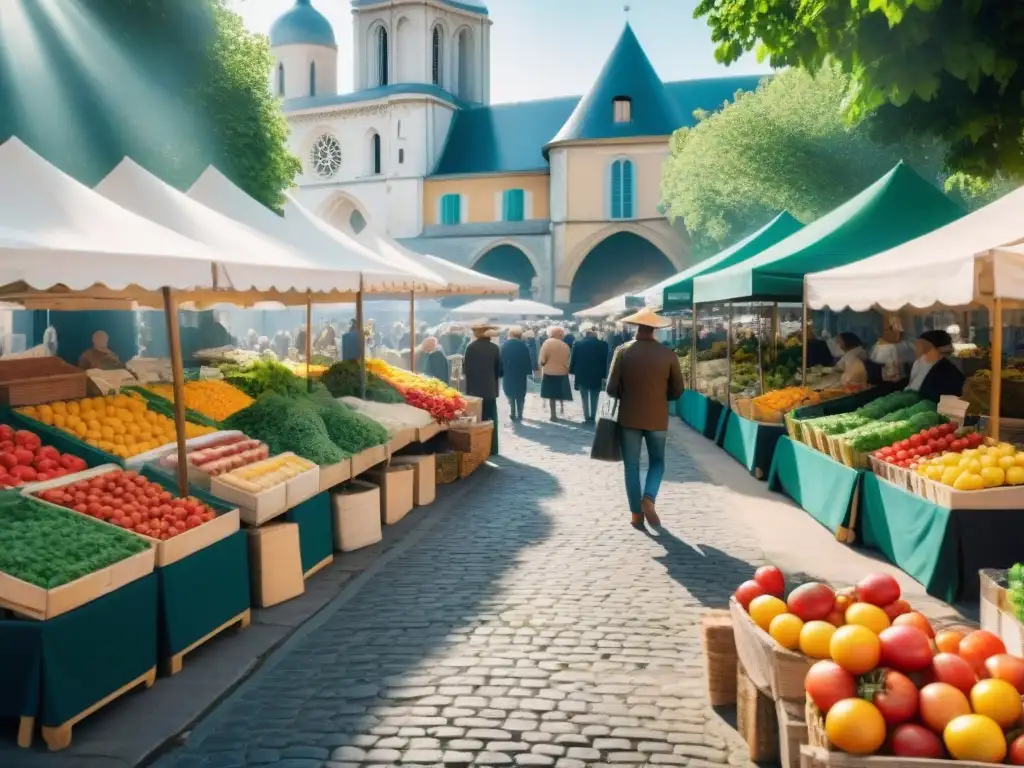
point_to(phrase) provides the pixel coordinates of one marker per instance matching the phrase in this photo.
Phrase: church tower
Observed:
(445, 43)
(305, 54)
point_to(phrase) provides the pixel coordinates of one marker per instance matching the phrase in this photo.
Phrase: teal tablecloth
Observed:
(21, 665)
(700, 412)
(824, 488)
(751, 443)
(316, 532)
(202, 592)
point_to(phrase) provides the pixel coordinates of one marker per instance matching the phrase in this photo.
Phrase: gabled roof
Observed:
(898, 207)
(302, 25)
(510, 138)
(470, 6)
(627, 73)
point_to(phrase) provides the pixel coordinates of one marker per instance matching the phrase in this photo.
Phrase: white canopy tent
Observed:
(313, 237)
(616, 305)
(250, 262)
(507, 308)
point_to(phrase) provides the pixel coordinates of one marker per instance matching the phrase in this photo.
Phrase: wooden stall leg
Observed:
(173, 665)
(59, 737)
(26, 726)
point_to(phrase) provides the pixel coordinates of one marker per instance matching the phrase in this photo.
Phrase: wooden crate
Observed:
(720, 659)
(756, 720)
(369, 458)
(37, 380)
(1007, 497)
(400, 439)
(332, 475)
(473, 441)
(446, 467)
(997, 615)
(775, 670)
(792, 732)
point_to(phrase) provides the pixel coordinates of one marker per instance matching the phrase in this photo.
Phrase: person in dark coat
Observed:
(614, 340)
(517, 367)
(530, 339)
(933, 374)
(589, 364)
(350, 343)
(432, 360)
(482, 366)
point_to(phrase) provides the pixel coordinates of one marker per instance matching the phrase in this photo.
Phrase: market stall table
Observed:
(825, 489)
(700, 412)
(751, 443)
(316, 532)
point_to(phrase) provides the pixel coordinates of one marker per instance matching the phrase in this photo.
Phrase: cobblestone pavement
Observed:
(530, 626)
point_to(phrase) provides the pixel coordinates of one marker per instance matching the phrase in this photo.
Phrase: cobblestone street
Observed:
(531, 625)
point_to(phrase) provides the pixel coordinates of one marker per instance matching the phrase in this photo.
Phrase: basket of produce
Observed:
(176, 527)
(794, 428)
(473, 441)
(24, 459)
(54, 560)
(216, 400)
(34, 380)
(741, 406)
(265, 489)
(210, 456)
(446, 467)
(1002, 605)
(432, 395)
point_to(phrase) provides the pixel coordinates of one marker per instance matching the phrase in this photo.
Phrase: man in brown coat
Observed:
(645, 377)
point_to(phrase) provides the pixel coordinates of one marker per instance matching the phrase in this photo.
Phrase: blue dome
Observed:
(471, 6)
(302, 25)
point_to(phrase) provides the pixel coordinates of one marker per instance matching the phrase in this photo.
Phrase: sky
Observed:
(545, 48)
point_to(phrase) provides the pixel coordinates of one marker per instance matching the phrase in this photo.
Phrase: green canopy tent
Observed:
(898, 207)
(676, 292)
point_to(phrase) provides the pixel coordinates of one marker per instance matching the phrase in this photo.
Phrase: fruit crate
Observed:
(997, 614)
(473, 441)
(37, 380)
(719, 644)
(851, 458)
(775, 670)
(1006, 497)
(794, 427)
(756, 719)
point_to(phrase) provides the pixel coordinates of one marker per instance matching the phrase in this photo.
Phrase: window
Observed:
(513, 205)
(312, 78)
(398, 131)
(325, 157)
(375, 153)
(451, 209)
(280, 79)
(622, 189)
(465, 69)
(382, 56)
(401, 156)
(622, 109)
(357, 222)
(437, 50)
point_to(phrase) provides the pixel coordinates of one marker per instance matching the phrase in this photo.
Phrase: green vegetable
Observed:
(886, 404)
(287, 424)
(351, 431)
(262, 376)
(49, 547)
(342, 380)
(902, 414)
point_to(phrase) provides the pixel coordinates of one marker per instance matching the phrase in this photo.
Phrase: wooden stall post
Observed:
(995, 401)
(728, 360)
(803, 331)
(773, 350)
(362, 340)
(412, 331)
(178, 386)
(309, 338)
(693, 350)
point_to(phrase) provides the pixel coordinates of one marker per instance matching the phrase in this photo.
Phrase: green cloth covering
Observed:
(316, 529)
(92, 651)
(677, 291)
(489, 412)
(680, 408)
(21, 665)
(912, 533)
(822, 487)
(202, 591)
(751, 443)
(898, 207)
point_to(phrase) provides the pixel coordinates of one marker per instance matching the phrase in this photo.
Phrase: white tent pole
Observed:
(995, 400)
(362, 340)
(412, 331)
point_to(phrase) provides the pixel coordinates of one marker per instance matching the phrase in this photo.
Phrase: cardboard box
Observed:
(302, 487)
(275, 564)
(356, 510)
(396, 491)
(424, 481)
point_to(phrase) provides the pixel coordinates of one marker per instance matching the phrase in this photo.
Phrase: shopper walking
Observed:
(554, 366)
(516, 367)
(482, 366)
(645, 377)
(432, 360)
(589, 365)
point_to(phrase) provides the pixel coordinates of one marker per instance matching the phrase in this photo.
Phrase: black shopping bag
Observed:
(606, 445)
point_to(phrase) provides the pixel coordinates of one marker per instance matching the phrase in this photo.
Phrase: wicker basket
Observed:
(446, 467)
(775, 670)
(794, 428)
(473, 441)
(720, 657)
(36, 380)
(741, 407)
(756, 720)
(851, 458)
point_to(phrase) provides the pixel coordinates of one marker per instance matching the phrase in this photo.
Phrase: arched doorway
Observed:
(344, 213)
(620, 263)
(507, 262)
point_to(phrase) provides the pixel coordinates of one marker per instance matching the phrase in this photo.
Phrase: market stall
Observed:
(896, 208)
(498, 308)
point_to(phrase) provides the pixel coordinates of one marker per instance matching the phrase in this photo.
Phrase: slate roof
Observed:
(370, 94)
(472, 6)
(302, 25)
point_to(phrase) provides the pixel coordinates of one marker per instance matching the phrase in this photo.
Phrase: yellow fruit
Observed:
(997, 699)
(765, 608)
(815, 637)
(1015, 475)
(976, 738)
(934, 473)
(950, 475)
(867, 615)
(969, 481)
(950, 459)
(785, 630)
(1005, 462)
(989, 460)
(1005, 449)
(993, 477)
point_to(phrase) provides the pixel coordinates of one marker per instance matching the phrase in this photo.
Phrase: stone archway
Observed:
(344, 212)
(507, 261)
(620, 263)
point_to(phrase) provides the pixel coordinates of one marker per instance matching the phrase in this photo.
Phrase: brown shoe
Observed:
(637, 521)
(650, 513)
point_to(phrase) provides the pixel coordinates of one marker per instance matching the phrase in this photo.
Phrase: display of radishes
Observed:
(24, 459)
(224, 455)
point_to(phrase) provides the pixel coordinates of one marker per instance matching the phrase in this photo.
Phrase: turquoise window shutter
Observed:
(451, 206)
(513, 205)
(617, 189)
(627, 189)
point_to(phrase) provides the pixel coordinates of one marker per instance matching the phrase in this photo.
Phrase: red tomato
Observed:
(1016, 753)
(905, 649)
(978, 645)
(826, 683)
(879, 589)
(902, 454)
(913, 740)
(939, 703)
(811, 601)
(916, 441)
(1003, 666)
(893, 693)
(896, 608)
(914, 619)
(951, 669)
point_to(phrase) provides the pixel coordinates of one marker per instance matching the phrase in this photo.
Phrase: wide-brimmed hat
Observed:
(647, 317)
(483, 326)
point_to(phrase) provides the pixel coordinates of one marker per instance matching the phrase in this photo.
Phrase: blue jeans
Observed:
(631, 440)
(589, 398)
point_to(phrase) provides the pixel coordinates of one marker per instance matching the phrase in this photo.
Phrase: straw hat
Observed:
(646, 317)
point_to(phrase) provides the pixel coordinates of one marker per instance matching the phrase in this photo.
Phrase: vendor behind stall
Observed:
(933, 374)
(100, 356)
(851, 360)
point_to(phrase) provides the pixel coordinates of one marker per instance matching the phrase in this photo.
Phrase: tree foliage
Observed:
(784, 147)
(943, 68)
(176, 85)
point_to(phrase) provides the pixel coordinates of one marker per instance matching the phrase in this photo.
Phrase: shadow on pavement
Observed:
(706, 573)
